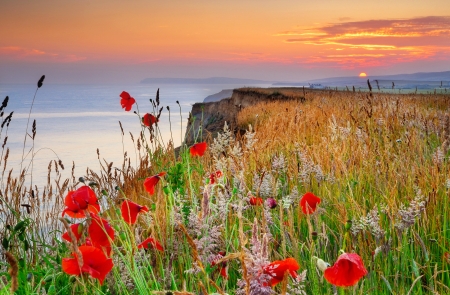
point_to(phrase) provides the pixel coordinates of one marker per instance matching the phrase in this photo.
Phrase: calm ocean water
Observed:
(74, 120)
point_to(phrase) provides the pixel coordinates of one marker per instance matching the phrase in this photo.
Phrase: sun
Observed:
(363, 74)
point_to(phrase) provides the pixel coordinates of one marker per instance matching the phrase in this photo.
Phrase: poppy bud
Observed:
(81, 179)
(322, 265)
(271, 203)
(41, 80)
(314, 235)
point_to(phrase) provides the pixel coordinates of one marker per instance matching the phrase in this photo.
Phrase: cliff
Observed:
(211, 116)
(226, 93)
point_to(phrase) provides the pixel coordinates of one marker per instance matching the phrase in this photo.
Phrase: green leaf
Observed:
(5, 243)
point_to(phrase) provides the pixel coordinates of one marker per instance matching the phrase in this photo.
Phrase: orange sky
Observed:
(276, 40)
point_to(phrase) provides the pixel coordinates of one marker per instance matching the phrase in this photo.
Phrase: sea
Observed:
(73, 121)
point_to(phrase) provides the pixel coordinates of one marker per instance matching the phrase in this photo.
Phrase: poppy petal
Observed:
(254, 201)
(148, 120)
(347, 270)
(78, 201)
(153, 243)
(309, 203)
(101, 233)
(70, 266)
(198, 149)
(276, 270)
(130, 211)
(95, 263)
(150, 182)
(126, 101)
(75, 228)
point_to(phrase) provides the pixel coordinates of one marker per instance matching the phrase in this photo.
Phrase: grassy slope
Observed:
(380, 161)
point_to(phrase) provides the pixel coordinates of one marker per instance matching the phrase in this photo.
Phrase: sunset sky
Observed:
(126, 41)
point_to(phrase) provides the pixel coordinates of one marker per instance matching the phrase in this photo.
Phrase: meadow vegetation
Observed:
(226, 219)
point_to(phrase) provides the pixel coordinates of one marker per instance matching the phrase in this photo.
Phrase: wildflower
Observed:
(277, 269)
(222, 266)
(271, 203)
(346, 271)
(255, 201)
(148, 120)
(126, 101)
(130, 211)
(198, 149)
(213, 176)
(407, 215)
(76, 229)
(309, 202)
(95, 263)
(151, 242)
(152, 181)
(101, 233)
(80, 200)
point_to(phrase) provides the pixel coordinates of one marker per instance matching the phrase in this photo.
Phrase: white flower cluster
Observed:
(298, 286)
(339, 132)
(256, 259)
(250, 139)
(222, 141)
(309, 168)
(438, 156)
(263, 184)
(407, 215)
(279, 164)
(288, 200)
(371, 223)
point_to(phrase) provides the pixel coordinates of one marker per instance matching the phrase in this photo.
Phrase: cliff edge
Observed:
(210, 117)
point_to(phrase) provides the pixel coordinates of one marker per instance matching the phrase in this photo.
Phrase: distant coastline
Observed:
(429, 80)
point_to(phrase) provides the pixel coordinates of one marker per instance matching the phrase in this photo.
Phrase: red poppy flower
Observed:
(126, 101)
(198, 149)
(213, 176)
(76, 229)
(101, 233)
(153, 243)
(277, 269)
(346, 271)
(254, 201)
(151, 182)
(80, 200)
(309, 203)
(222, 266)
(130, 211)
(148, 120)
(95, 263)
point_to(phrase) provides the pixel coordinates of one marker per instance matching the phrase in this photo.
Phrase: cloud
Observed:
(21, 53)
(388, 41)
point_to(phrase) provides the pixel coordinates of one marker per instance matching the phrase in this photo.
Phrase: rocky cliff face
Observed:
(210, 117)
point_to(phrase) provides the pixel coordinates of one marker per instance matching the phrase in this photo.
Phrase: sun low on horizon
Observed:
(91, 39)
(362, 74)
